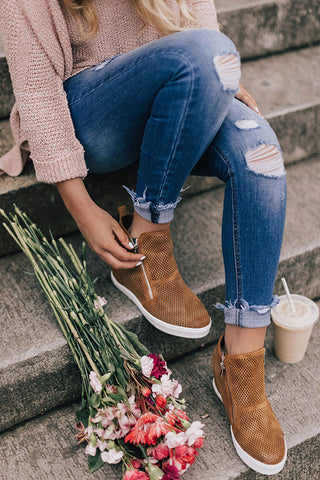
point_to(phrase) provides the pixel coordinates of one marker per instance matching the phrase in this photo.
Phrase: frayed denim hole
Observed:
(247, 124)
(266, 160)
(228, 70)
(244, 306)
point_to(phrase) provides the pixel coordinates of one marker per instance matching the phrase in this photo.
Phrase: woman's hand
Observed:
(102, 232)
(247, 99)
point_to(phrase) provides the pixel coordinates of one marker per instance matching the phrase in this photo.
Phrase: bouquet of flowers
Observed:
(130, 410)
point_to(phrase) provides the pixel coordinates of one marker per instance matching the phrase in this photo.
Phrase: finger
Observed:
(118, 264)
(248, 100)
(122, 254)
(122, 237)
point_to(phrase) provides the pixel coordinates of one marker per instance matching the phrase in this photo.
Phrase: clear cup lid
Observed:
(307, 312)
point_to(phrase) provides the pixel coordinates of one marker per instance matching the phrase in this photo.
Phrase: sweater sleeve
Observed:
(205, 13)
(39, 56)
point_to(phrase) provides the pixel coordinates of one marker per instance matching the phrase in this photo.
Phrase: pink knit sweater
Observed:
(44, 46)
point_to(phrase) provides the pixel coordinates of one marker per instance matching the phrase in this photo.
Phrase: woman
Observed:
(100, 84)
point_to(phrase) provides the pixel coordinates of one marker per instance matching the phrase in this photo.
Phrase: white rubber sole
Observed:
(177, 331)
(251, 462)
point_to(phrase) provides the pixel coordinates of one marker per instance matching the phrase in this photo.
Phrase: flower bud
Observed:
(155, 472)
(146, 392)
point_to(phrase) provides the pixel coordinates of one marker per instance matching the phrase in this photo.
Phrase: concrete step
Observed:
(37, 372)
(45, 448)
(258, 28)
(287, 88)
(262, 27)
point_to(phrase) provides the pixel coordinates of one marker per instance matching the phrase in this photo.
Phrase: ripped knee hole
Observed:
(266, 159)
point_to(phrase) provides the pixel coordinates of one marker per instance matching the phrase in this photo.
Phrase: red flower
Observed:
(147, 430)
(135, 475)
(182, 414)
(183, 456)
(159, 366)
(170, 473)
(136, 463)
(198, 443)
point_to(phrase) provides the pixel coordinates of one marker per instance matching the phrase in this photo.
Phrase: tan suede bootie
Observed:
(256, 434)
(156, 286)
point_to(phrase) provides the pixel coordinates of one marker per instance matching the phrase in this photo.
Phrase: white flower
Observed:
(194, 432)
(98, 431)
(101, 445)
(167, 387)
(147, 364)
(94, 382)
(174, 439)
(88, 431)
(112, 456)
(90, 450)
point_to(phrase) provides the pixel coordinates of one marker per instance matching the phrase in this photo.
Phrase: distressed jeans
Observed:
(170, 104)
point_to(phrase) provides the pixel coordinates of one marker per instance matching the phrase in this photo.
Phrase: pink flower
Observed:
(194, 432)
(110, 432)
(91, 450)
(125, 425)
(133, 406)
(161, 451)
(122, 409)
(84, 433)
(101, 445)
(98, 431)
(135, 475)
(146, 365)
(167, 387)
(159, 366)
(94, 382)
(112, 456)
(101, 302)
(104, 416)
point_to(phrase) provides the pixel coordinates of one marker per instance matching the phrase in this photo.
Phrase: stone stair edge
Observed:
(305, 257)
(54, 446)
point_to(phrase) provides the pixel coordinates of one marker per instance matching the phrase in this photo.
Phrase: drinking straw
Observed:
(285, 285)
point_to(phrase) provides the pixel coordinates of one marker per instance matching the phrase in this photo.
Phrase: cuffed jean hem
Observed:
(149, 211)
(247, 316)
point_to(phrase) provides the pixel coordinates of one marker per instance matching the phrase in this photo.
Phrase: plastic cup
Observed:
(292, 330)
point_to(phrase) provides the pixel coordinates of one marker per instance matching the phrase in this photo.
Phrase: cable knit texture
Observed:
(44, 46)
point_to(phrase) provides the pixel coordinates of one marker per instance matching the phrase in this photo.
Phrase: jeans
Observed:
(170, 104)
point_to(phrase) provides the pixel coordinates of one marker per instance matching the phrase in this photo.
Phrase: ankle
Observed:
(239, 340)
(140, 225)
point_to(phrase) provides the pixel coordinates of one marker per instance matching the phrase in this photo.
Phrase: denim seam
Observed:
(127, 69)
(234, 230)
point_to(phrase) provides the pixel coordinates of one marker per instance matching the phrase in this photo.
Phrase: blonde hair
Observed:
(152, 12)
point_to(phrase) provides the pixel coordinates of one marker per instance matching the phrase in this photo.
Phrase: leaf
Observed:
(95, 462)
(117, 397)
(94, 401)
(83, 416)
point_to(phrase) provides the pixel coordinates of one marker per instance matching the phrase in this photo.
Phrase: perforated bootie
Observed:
(156, 286)
(256, 434)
